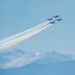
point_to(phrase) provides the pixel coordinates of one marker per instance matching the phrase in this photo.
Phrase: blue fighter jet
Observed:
(56, 16)
(52, 22)
(49, 19)
(59, 19)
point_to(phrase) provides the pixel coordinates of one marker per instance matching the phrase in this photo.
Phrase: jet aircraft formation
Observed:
(54, 19)
(22, 36)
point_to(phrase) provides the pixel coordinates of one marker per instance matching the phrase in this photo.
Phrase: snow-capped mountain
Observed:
(17, 58)
(53, 57)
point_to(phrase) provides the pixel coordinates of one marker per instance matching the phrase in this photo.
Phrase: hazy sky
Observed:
(19, 15)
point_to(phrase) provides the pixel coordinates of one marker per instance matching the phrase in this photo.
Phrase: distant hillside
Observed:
(61, 68)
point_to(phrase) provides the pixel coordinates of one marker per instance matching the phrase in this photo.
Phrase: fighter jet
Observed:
(56, 16)
(49, 19)
(52, 22)
(58, 19)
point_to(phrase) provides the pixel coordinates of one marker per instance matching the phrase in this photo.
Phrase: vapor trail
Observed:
(24, 59)
(20, 39)
(24, 32)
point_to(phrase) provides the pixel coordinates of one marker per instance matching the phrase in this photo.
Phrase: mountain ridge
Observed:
(63, 68)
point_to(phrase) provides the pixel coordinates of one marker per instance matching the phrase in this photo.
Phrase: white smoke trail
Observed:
(21, 61)
(24, 32)
(16, 41)
(4, 45)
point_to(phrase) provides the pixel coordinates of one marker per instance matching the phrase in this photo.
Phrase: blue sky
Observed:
(19, 15)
